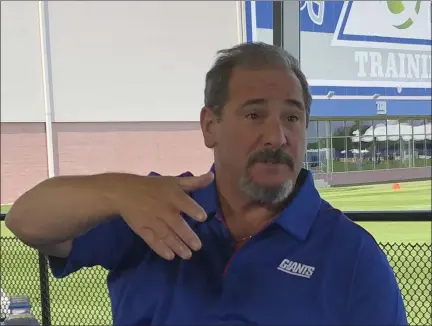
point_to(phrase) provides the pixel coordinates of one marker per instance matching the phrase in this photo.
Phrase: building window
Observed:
(364, 145)
(428, 143)
(338, 143)
(380, 145)
(419, 143)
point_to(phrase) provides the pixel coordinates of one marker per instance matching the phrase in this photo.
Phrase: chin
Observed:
(265, 192)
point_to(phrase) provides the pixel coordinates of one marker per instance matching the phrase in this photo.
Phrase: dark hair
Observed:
(254, 56)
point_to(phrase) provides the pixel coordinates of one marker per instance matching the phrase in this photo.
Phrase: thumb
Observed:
(193, 183)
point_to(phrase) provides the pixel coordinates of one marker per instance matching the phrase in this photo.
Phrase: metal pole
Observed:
(291, 28)
(286, 26)
(47, 84)
(277, 23)
(44, 290)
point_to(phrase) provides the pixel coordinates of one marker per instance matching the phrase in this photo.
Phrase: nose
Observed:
(274, 133)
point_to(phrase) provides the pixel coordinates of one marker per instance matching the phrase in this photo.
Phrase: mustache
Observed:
(269, 155)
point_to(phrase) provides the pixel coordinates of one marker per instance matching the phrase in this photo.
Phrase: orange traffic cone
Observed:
(396, 186)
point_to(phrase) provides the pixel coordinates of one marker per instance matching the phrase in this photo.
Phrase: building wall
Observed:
(135, 60)
(169, 148)
(22, 97)
(123, 83)
(23, 158)
(111, 61)
(85, 148)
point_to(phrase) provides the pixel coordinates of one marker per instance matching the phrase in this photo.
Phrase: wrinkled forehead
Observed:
(266, 83)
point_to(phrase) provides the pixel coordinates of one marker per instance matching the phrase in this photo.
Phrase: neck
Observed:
(235, 205)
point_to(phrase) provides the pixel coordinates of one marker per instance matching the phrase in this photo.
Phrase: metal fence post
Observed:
(44, 290)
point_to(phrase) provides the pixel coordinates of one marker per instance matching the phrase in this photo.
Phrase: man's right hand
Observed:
(152, 207)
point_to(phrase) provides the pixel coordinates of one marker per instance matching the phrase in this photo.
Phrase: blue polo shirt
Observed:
(310, 266)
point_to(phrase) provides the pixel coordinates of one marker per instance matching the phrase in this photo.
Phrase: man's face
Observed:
(260, 139)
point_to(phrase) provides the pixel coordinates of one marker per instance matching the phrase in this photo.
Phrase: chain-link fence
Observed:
(79, 299)
(82, 298)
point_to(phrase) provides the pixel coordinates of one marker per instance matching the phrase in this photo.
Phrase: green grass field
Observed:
(82, 298)
(411, 196)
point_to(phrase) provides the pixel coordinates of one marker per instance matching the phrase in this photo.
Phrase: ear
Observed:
(208, 123)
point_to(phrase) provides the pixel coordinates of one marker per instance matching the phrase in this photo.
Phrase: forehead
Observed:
(271, 84)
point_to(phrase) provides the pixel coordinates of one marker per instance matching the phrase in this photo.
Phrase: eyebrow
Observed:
(260, 101)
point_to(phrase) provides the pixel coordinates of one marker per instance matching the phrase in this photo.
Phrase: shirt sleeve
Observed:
(108, 245)
(105, 245)
(375, 297)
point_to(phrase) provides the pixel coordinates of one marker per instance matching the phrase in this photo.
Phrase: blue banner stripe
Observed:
(369, 91)
(367, 108)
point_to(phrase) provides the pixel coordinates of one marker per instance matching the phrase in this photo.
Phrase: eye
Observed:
(293, 118)
(252, 116)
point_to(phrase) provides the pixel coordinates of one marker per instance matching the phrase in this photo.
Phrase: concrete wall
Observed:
(109, 61)
(135, 147)
(111, 72)
(83, 148)
(22, 97)
(23, 158)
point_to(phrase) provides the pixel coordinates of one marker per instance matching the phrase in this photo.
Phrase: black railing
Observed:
(82, 298)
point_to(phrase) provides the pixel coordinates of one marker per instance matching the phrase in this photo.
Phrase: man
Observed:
(250, 242)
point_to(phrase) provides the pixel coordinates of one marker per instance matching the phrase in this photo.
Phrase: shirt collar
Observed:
(296, 218)
(207, 197)
(299, 214)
